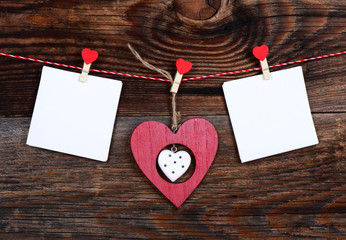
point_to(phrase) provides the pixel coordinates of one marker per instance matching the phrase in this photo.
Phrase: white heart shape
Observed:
(174, 164)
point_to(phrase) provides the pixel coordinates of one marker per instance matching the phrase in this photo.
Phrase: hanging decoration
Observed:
(153, 142)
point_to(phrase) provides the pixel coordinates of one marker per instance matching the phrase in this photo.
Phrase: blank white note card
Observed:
(74, 117)
(270, 116)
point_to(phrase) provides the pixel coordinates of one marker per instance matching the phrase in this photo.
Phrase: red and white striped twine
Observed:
(185, 79)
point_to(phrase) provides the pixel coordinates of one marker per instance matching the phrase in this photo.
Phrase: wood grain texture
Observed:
(299, 194)
(296, 195)
(151, 137)
(162, 31)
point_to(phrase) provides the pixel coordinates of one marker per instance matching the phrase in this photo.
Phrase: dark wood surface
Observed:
(49, 195)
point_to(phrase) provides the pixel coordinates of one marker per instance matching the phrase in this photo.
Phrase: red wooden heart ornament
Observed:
(150, 137)
(183, 66)
(89, 56)
(260, 52)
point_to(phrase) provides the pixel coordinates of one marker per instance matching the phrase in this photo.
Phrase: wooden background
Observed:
(49, 195)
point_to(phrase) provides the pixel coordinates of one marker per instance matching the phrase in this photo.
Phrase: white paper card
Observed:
(270, 116)
(74, 117)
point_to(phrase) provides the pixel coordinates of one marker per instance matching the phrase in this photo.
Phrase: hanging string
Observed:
(184, 79)
(175, 114)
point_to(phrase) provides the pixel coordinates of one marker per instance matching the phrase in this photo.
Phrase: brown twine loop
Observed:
(175, 114)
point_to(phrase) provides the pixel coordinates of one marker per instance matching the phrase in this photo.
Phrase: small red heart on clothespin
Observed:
(260, 52)
(183, 66)
(89, 56)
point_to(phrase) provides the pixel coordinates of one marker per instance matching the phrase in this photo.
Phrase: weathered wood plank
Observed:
(216, 38)
(52, 195)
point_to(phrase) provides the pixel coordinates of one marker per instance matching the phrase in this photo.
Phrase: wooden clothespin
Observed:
(88, 56)
(261, 52)
(182, 68)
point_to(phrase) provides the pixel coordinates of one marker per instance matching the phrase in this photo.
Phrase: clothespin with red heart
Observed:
(261, 52)
(88, 56)
(182, 68)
